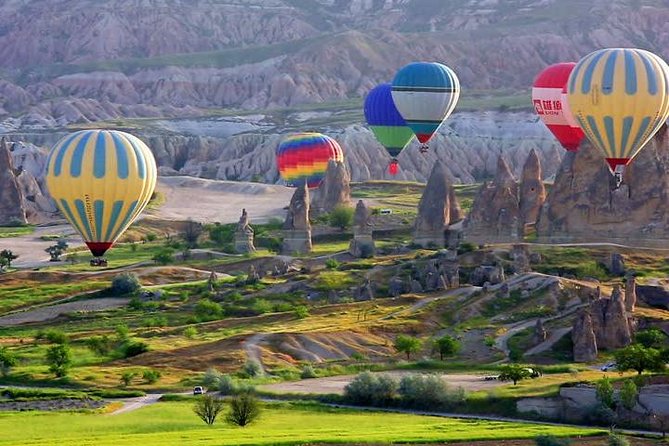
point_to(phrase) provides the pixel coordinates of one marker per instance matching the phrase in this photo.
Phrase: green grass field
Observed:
(15, 231)
(176, 424)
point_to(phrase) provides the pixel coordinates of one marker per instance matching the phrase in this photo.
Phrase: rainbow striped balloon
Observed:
(620, 98)
(304, 157)
(101, 181)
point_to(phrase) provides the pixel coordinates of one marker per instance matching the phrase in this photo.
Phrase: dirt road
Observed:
(52, 312)
(336, 384)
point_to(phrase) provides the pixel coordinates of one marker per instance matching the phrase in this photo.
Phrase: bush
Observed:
(226, 385)
(244, 409)
(341, 217)
(308, 372)
(617, 440)
(100, 345)
(425, 392)
(59, 358)
(207, 310)
(368, 389)
(301, 312)
(127, 377)
(7, 361)
(251, 369)
(53, 336)
(332, 264)
(125, 283)
(211, 378)
(190, 332)
(550, 440)
(164, 257)
(262, 306)
(629, 394)
(208, 408)
(651, 338)
(151, 376)
(604, 390)
(131, 349)
(602, 415)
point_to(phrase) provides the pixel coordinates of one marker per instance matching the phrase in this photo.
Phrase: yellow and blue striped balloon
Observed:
(620, 98)
(101, 181)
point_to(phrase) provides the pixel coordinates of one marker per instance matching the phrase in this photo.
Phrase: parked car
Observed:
(491, 377)
(608, 367)
(198, 390)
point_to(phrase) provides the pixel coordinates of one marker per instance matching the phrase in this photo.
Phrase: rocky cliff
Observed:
(583, 203)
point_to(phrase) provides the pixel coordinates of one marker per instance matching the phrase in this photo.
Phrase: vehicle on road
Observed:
(198, 390)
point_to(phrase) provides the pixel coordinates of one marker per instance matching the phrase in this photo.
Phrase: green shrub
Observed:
(226, 385)
(8, 360)
(164, 257)
(53, 336)
(308, 372)
(341, 217)
(127, 377)
(211, 378)
(125, 283)
(301, 312)
(407, 345)
(651, 338)
(550, 440)
(244, 409)
(602, 415)
(262, 306)
(135, 348)
(332, 264)
(100, 345)
(59, 358)
(251, 369)
(207, 310)
(190, 332)
(629, 394)
(368, 389)
(151, 376)
(425, 392)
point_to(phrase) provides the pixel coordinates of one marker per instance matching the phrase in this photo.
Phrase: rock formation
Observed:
(540, 332)
(362, 244)
(616, 264)
(583, 337)
(532, 190)
(609, 322)
(244, 235)
(12, 210)
(334, 191)
(630, 293)
(583, 205)
(434, 209)
(297, 228)
(520, 256)
(495, 213)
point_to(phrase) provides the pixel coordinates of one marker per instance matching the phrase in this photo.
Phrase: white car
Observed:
(198, 390)
(608, 367)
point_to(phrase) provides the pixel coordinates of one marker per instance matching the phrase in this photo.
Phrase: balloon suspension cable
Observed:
(618, 176)
(424, 148)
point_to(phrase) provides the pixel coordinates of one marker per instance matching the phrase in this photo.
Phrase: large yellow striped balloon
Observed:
(620, 99)
(101, 181)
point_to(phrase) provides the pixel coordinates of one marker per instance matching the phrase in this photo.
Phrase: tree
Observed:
(629, 394)
(244, 409)
(447, 346)
(7, 361)
(9, 257)
(651, 338)
(59, 358)
(125, 283)
(514, 372)
(192, 233)
(55, 251)
(101, 345)
(639, 358)
(211, 378)
(341, 217)
(127, 377)
(408, 344)
(164, 257)
(604, 390)
(207, 408)
(151, 376)
(251, 369)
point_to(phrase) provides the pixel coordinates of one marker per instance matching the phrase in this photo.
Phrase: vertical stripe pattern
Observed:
(621, 99)
(101, 181)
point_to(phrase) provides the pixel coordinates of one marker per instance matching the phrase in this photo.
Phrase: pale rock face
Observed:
(434, 209)
(583, 337)
(297, 228)
(334, 191)
(583, 205)
(11, 197)
(532, 190)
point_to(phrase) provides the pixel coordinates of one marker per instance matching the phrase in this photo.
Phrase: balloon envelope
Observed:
(101, 181)
(619, 98)
(304, 157)
(425, 93)
(385, 121)
(549, 96)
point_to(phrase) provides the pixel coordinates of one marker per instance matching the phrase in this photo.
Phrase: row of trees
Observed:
(446, 346)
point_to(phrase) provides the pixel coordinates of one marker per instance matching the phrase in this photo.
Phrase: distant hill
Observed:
(66, 61)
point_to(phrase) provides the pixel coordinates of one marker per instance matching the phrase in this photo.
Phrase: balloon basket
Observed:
(393, 167)
(618, 176)
(99, 262)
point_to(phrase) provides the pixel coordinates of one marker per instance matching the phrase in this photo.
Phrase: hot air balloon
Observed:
(549, 96)
(386, 123)
(620, 98)
(304, 157)
(101, 181)
(425, 93)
